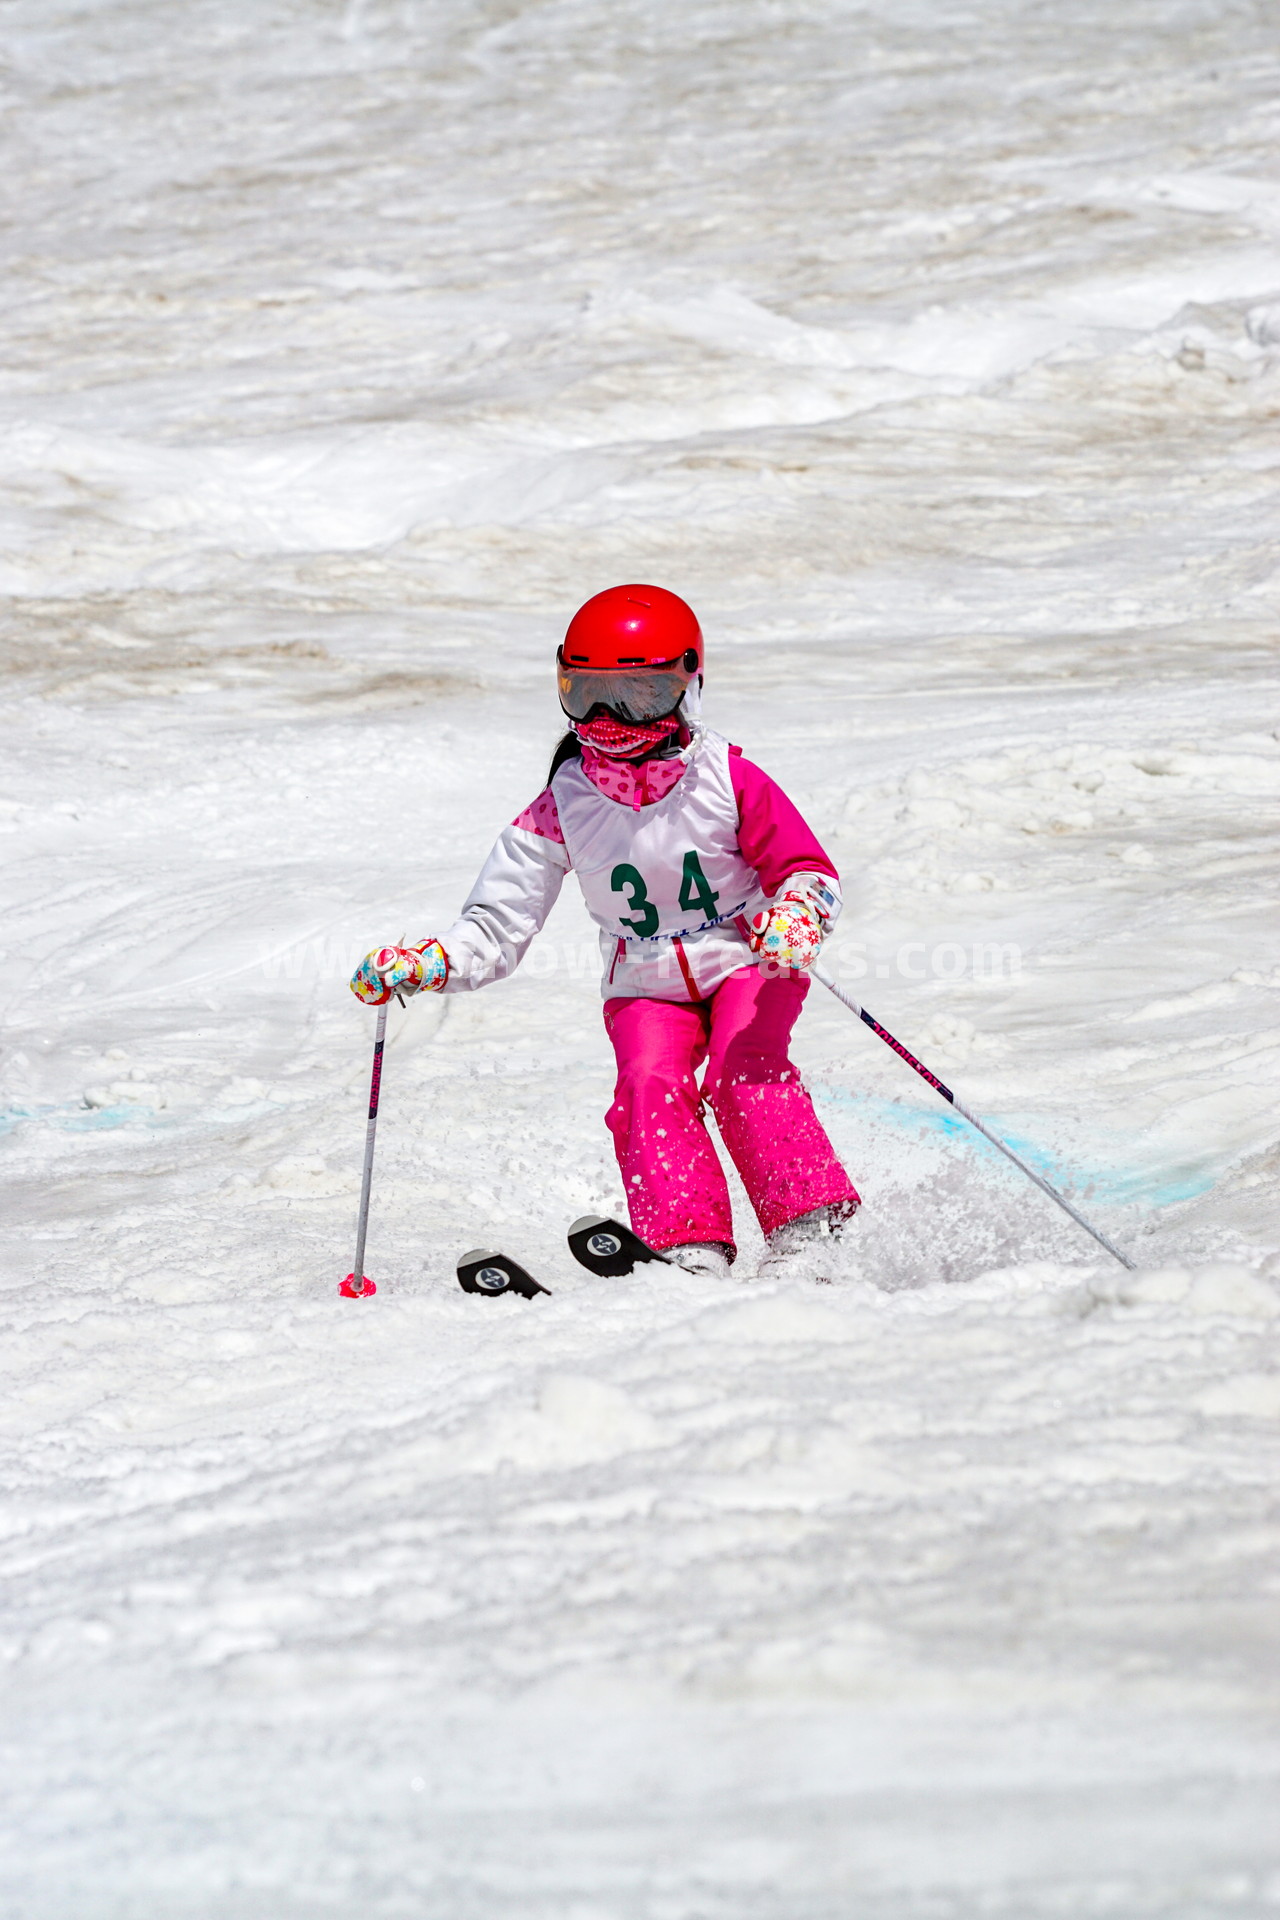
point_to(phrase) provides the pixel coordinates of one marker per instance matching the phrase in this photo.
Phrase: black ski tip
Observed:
(493, 1273)
(607, 1247)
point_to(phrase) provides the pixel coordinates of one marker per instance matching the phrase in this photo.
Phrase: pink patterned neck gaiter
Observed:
(622, 742)
(631, 783)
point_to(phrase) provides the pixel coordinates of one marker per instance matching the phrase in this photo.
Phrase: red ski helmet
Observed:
(633, 628)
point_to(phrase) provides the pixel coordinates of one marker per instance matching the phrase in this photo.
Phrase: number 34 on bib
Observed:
(644, 920)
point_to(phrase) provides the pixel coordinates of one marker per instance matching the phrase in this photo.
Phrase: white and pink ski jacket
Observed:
(673, 859)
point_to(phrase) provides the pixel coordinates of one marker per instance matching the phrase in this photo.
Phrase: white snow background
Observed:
(932, 351)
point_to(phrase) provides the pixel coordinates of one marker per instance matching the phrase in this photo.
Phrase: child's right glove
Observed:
(402, 970)
(790, 930)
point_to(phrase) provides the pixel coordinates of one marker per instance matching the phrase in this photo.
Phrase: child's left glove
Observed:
(403, 970)
(790, 931)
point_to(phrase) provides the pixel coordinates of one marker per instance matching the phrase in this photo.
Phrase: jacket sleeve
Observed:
(774, 835)
(518, 886)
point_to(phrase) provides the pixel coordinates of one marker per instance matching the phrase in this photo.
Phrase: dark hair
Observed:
(569, 747)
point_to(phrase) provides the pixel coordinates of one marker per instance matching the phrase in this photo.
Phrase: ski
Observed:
(602, 1246)
(607, 1247)
(485, 1271)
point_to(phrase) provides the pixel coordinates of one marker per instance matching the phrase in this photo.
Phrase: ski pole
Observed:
(819, 972)
(357, 1285)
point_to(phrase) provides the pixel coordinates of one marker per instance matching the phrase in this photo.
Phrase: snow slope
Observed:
(933, 352)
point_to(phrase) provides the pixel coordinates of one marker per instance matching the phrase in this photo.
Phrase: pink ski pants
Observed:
(676, 1188)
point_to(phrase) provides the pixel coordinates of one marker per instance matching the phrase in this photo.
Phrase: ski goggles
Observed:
(631, 697)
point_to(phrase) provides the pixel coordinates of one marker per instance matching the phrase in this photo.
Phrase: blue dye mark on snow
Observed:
(81, 1119)
(96, 1119)
(1078, 1179)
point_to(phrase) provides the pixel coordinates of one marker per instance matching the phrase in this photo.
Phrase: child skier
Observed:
(712, 896)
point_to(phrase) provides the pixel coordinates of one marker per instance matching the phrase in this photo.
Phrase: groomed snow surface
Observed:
(933, 352)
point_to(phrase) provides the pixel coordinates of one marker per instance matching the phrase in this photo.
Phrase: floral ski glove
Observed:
(789, 932)
(402, 970)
